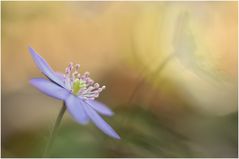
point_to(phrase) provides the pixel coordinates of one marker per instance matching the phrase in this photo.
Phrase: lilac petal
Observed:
(100, 123)
(45, 68)
(100, 107)
(49, 88)
(75, 108)
(60, 76)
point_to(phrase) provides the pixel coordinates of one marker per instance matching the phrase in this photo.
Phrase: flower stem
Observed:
(54, 130)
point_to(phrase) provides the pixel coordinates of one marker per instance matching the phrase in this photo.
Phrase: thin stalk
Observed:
(54, 130)
(152, 75)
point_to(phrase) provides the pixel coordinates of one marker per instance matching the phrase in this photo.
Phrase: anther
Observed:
(87, 74)
(77, 66)
(96, 85)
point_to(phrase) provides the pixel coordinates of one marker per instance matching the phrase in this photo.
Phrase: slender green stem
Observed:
(152, 75)
(54, 130)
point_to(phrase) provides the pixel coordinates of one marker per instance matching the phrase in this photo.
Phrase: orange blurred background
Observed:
(176, 60)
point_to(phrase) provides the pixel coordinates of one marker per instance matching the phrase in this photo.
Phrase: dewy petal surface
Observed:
(50, 88)
(100, 123)
(100, 107)
(75, 108)
(45, 68)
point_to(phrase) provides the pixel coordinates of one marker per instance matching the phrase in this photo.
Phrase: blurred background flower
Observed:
(170, 69)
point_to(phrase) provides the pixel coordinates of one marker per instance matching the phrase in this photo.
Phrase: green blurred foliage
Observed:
(143, 135)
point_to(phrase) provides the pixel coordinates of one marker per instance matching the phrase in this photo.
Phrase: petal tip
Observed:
(100, 107)
(35, 56)
(117, 137)
(32, 81)
(44, 67)
(31, 50)
(100, 123)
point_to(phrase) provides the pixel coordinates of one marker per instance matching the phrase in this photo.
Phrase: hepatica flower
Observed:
(77, 91)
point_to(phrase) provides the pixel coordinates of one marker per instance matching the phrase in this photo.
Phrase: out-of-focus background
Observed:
(170, 69)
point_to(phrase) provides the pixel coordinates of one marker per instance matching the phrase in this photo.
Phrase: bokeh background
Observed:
(170, 69)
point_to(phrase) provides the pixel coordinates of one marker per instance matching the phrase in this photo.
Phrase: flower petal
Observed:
(100, 123)
(75, 108)
(60, 75)
(100, 107)
(45, 68)
(49, 88)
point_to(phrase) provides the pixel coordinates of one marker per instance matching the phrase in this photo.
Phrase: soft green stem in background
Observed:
(152, 75)
(139, 85)
(56, 126)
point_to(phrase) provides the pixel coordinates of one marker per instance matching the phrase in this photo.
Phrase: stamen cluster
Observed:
(81, 85)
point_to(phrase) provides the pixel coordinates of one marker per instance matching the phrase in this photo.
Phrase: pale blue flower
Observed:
(77, 91)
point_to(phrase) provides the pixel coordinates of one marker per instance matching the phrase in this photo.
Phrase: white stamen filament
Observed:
(86, 89)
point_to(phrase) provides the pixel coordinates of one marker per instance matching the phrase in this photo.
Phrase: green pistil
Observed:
(77, 85)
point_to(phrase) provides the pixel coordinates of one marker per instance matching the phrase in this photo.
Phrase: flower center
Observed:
(77, 85)
(81, 85)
